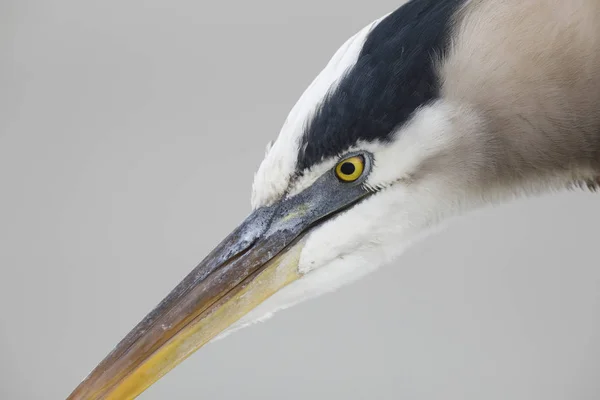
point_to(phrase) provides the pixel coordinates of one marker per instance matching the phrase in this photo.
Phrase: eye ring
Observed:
(350, 169)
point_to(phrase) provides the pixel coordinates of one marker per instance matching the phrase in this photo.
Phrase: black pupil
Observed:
(347, 168)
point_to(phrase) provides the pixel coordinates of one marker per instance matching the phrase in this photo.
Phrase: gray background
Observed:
(129, 135)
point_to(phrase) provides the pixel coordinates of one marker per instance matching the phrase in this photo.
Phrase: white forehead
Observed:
(276, 170)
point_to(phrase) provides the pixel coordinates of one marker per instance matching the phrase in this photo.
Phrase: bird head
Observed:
(391, 138)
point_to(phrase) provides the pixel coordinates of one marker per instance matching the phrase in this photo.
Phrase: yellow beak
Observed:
(255, 261)
(127, 372)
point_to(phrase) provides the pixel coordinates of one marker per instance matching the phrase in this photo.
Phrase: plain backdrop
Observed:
(129, 135)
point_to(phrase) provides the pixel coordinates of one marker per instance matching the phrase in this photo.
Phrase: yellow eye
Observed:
(350, 169)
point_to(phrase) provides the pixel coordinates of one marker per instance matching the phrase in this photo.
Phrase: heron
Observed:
(432, 111)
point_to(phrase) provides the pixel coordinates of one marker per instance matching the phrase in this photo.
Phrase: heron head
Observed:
(375, 153)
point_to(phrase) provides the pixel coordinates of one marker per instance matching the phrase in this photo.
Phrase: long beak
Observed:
(259, 258)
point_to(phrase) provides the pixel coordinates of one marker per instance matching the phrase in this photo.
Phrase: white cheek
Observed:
(382, 224)
(355, 244)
